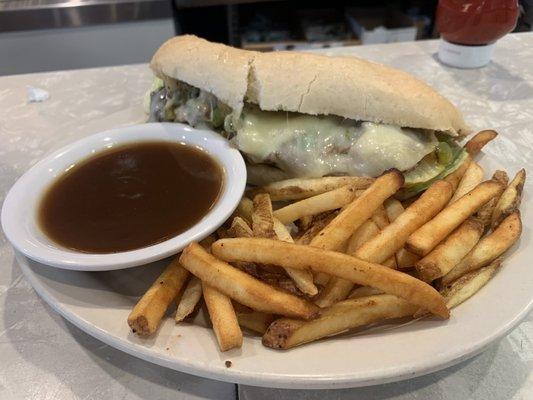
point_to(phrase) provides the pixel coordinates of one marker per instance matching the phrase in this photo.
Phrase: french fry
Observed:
(451, 251)
(488, 248)
(393, 208)
(255, 321)
(480, 139)
(363, 234)
(267, 226)
(422, 241)
(302, 279)
(146, 316)
(242, 287)
(405, 259)
(338, 231)
(380, 217)
(245, 210)
(472, 177)
(321, 279)
(387, 242)
(262, 217)
(349, 314)
(363, 291)
(510, 199)
(455, 177)
(297, 189)
(317, 204)
(189, 299)
(390, 263)
(223, 318)
(467, 285)
(337, 288)
(317, 225)
(484, 214)
(305, 222)
(239, 228)
(290, 255)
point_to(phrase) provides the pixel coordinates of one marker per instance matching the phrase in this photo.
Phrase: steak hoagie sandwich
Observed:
(308, 115)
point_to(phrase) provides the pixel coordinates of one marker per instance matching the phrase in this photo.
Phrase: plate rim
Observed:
(261, 379)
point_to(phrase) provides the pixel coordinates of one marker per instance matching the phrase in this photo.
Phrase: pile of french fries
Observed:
(305, 259)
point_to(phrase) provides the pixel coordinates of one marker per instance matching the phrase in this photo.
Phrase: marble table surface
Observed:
(42, 356)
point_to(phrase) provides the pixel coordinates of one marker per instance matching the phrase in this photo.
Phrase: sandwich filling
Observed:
(305, 145)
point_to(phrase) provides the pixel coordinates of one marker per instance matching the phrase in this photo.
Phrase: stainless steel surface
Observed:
(23, 15)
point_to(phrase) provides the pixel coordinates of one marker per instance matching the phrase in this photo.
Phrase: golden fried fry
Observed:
(338, 231)
(484, 214)
(223, 318)
(239, 228)
(290, 255)
(262, 217)
(380, 217)
(317, 225)
(405, 259)
(467, 285)
(510, 199)
(387, 242)
(189, 299)
(488, 248)
(363, 234)
(349, 314)
(317, 204)
(433, 232)
(480, 139)
(393, 208)
(363, 291)
(297, 189)
(255, 321)
(242, 287)
(472, 177)
(455, 177)
(146, 316)
(245, 210)
(451, 251)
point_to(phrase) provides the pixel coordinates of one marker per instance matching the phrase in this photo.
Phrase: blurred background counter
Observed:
(45, 35)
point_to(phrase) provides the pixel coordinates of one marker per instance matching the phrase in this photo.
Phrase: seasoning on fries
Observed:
(353, 313)
(333, 263)
(242, 287)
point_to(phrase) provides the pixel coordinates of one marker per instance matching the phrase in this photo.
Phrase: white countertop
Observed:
(44, 357)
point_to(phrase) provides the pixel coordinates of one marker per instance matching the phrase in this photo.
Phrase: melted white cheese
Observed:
(306, 145)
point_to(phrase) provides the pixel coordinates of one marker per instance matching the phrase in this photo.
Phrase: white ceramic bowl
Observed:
(20, 206)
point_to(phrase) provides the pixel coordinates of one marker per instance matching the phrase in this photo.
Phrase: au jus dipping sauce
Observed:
(130, 197)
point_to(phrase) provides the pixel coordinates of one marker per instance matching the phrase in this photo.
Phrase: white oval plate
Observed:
(99, 304)
(19, 219)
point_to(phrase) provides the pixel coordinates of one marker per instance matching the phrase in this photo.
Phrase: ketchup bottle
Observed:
(470, 28)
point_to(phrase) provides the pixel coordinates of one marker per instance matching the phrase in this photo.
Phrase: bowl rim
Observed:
(21, 202)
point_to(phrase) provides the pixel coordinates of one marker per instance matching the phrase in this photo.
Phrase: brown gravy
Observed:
(130, 197)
